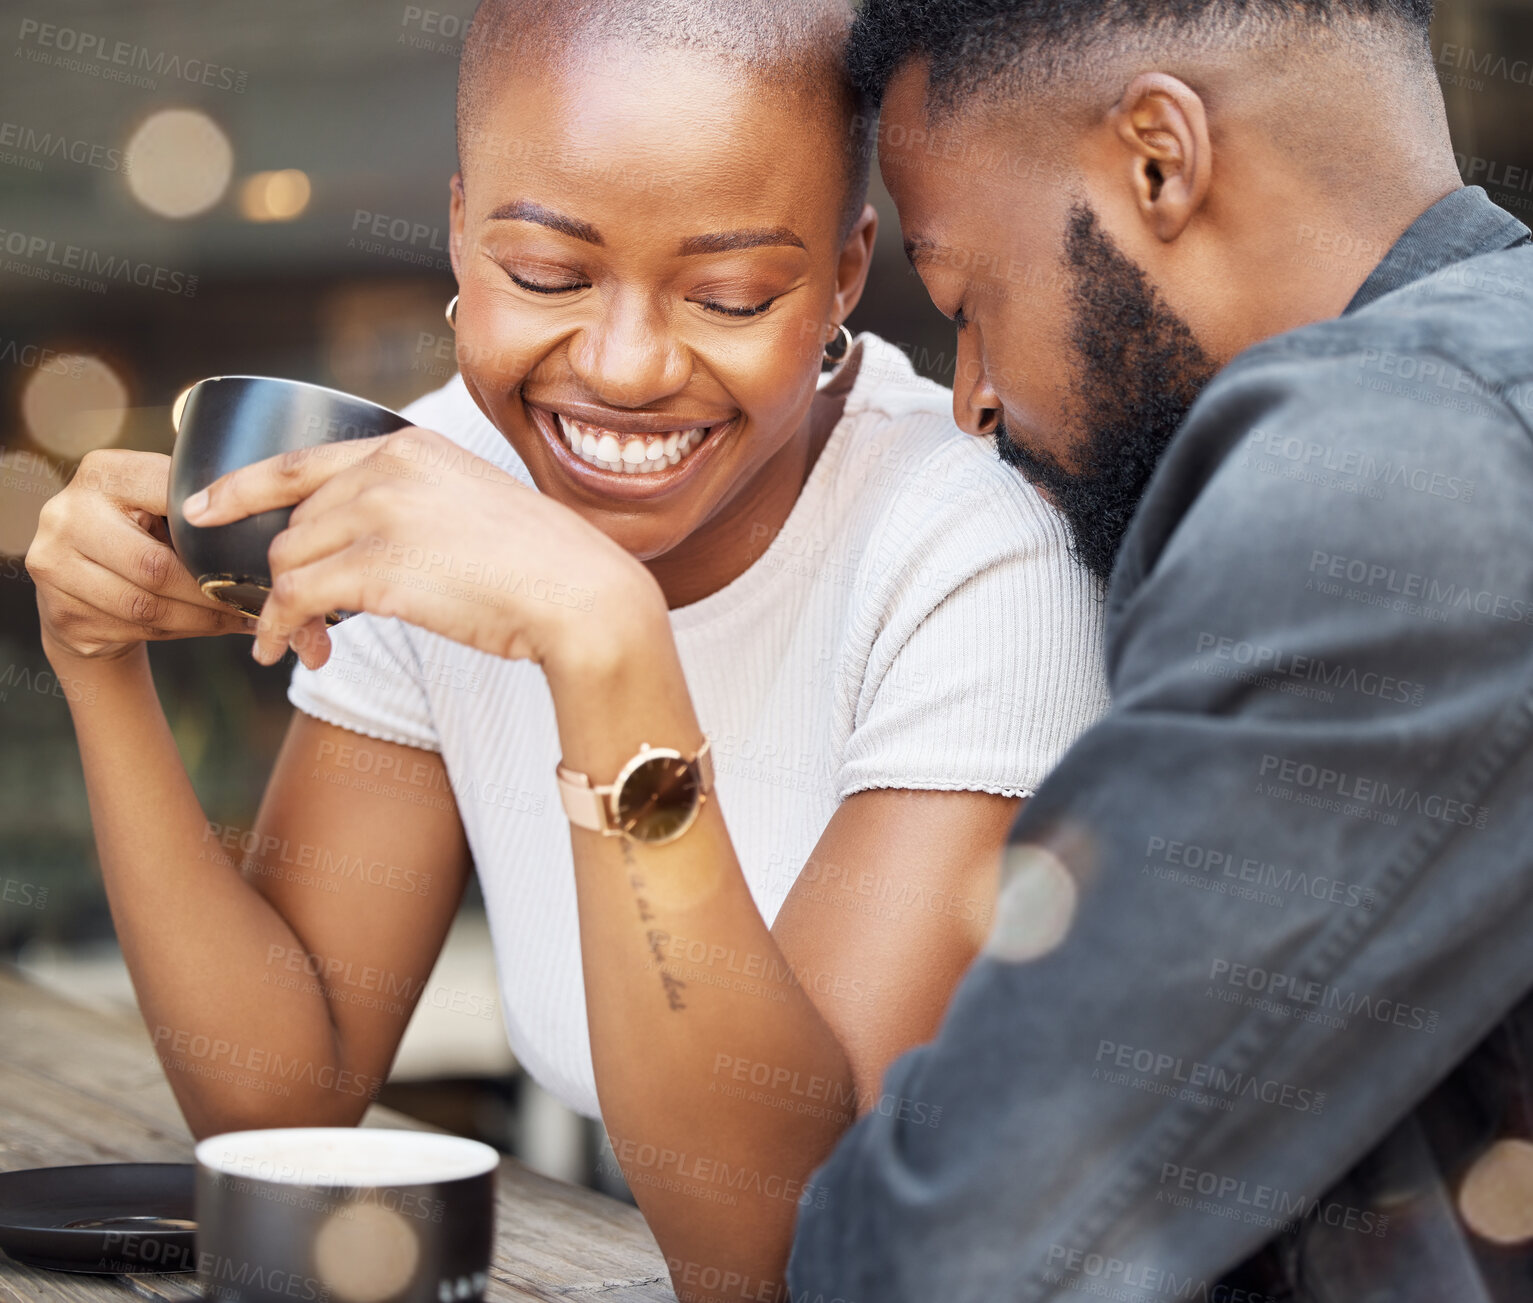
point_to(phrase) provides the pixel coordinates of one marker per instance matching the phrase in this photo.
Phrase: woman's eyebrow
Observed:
(524, 210)
(728, 241)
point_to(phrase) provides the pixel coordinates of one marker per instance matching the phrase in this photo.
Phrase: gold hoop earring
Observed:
(836, 359)
(452, 312)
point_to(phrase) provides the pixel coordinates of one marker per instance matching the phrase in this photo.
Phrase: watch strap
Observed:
(585, 805)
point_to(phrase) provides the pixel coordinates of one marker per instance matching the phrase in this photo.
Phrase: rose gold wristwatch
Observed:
(657, 796)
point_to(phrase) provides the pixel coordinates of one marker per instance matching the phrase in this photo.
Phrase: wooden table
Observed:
(77, 1086)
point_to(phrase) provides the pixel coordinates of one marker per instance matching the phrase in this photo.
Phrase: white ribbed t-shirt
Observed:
(917, 623)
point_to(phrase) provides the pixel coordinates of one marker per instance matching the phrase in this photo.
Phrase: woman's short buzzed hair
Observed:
(796, 46)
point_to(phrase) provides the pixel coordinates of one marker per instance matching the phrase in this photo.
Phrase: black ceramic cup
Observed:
(232, 421)
(344, 1215)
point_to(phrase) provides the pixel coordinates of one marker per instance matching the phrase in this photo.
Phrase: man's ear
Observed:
(455, 225)
(854, 264)
(1162, 129)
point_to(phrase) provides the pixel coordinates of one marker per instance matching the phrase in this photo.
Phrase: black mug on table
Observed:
(344, 1215)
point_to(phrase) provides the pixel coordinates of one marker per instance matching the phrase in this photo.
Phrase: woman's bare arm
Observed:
(276, 966)
(730, 1056)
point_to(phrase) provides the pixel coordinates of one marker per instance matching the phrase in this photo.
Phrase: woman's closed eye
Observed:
(729, 310)
(554, 282)
(541, 287)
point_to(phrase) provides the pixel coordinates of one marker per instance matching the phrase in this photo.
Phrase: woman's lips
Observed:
(636, 455)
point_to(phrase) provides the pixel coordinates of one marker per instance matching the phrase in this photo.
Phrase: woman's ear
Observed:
(455, 225)
(855, 262)
(1161, 128)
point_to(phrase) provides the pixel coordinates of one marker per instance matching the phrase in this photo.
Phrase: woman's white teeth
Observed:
(633, 454)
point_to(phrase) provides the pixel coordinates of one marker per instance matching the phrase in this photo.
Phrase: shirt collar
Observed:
(1462, 225)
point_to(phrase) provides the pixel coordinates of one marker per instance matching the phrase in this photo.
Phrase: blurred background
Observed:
(196, 187)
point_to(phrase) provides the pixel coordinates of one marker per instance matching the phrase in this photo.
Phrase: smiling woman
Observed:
(643, 265)
(788, 649)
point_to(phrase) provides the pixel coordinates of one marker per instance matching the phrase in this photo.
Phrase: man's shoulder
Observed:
(1463, 328)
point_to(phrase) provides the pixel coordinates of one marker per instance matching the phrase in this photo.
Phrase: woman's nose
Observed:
(629, 358)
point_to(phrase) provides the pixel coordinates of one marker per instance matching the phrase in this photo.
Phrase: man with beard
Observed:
(1252, 1022)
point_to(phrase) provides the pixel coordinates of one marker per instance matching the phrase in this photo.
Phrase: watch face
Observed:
(659, 799)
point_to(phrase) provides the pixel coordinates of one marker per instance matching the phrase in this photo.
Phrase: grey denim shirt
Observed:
(1284, 889)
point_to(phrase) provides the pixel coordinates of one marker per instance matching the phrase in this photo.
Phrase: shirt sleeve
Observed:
(976, 656)
(1260, 908)
(374, 684)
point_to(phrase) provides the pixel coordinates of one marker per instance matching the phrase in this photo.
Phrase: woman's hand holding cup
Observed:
(107, 578)
(409, 525)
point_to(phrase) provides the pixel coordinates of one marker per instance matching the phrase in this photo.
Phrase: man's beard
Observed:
(1139, 370)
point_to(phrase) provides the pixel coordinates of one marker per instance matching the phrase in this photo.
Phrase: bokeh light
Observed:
(1036, 906)
(366, 1254)
(78, 405)
(1496, 1199)
(27, 480)
(179, 163)
(274, 196)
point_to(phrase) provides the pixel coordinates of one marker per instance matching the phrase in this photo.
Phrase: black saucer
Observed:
(103, 1218)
